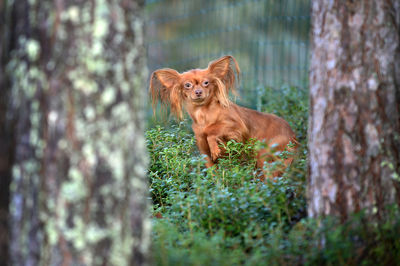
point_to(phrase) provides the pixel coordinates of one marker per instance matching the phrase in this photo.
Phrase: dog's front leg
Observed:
(202, 144)
(215, 150)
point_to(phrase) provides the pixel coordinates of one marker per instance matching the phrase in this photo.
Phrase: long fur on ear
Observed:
(164, 86)
(227, 70)
(222, 93)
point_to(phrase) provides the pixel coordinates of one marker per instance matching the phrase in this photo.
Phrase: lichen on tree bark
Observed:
(79, 191)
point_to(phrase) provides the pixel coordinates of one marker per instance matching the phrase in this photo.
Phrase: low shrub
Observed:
(226, 216)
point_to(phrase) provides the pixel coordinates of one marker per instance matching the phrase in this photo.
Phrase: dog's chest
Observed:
(200, 118)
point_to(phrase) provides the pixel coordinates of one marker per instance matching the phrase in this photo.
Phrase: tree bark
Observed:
(75, 75)
(6, 140)
(354, 123)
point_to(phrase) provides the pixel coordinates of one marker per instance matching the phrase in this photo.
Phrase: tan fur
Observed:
(215, 118)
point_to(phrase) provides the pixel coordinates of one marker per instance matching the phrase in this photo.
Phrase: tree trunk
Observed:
(75, 73)
(354, 124)
(6, 139)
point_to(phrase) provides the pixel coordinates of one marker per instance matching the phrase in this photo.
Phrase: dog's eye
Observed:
(188, 85)
(205, 83)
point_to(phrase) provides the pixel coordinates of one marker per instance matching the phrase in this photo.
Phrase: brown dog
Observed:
(204, 95)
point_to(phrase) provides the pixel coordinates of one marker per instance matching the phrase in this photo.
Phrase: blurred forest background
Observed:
(270, 39)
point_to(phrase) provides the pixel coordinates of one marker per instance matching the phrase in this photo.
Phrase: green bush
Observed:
(226, 216)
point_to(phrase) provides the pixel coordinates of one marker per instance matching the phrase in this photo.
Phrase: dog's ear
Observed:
(164, 85)
(227, 70)
(162, 81)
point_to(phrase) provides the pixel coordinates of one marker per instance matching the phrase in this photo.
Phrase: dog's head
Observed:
(196, 87)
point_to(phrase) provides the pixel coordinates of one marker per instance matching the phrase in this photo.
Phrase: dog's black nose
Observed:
(198, 92)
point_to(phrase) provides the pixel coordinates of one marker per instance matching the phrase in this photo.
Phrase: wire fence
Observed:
(269, 39)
